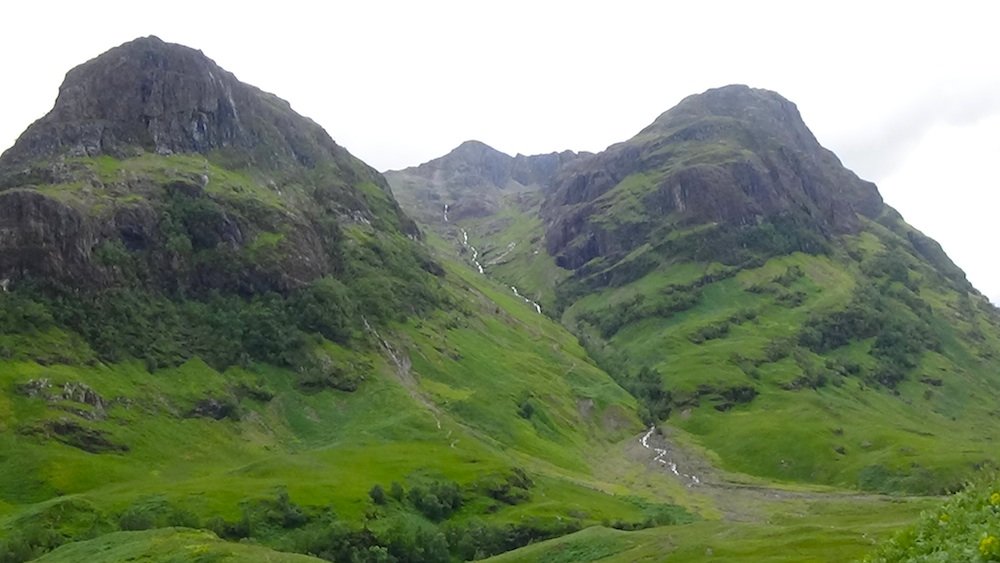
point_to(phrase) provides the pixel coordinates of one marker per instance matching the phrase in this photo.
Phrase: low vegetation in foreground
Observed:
(966, 528)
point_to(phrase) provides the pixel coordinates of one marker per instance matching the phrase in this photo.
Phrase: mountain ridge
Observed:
(730, 272)
(731, 155)
(473, 177)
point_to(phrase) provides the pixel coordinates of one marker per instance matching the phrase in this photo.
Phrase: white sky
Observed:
(907, 93)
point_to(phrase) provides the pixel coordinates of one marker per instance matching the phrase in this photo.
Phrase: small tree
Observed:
(377, 494)
(396, 491)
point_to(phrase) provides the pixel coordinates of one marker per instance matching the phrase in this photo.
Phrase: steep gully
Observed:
(479, 266)
(736, 499)
(661, 454)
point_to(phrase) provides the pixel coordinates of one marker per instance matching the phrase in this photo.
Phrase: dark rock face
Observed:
(216, 409)
(74, 434)
(165, 98)
(151, 98)
(42, 237)
(145, 93)
(732, 155)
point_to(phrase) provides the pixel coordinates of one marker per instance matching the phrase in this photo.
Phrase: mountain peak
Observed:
(733, 155)
(734, 100)
(473, 145)
(166, 120)
(472, 179)
(148, 95)
(717, 112)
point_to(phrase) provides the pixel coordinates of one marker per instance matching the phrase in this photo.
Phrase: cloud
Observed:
(881, 149)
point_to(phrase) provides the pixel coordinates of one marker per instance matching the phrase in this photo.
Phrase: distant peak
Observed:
(153, 39)
(473, 143)
(475, 147)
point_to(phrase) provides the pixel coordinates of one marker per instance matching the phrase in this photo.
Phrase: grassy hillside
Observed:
(861, 367)
(485, 417)
(857, 362)
(765, 305)
(822, 531)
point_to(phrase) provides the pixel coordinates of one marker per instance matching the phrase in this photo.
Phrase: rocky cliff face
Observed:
(158, 161)
(471, 178)
(156, 97)
(732, 155)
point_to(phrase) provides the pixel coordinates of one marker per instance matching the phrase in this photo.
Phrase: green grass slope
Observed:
(483, 417)
(168, 545)
(860, 360)
(823, 532)
(860, 365)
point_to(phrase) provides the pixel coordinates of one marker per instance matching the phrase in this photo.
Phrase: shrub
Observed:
(960, 530)
(377, 494)
(396, 491)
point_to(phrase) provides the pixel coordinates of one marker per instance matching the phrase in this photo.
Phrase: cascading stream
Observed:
(537, 307)
(479, 266)
(661, 457)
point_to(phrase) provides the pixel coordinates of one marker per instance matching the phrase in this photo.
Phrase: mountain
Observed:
(151, 128)
(501, 193)
(732, 156)
(471, 179)
(222, 338)
(213, 316)
(759, 298)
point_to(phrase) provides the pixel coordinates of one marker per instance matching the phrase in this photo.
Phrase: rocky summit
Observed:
(155, 97)
(733, 155)
(152, 145)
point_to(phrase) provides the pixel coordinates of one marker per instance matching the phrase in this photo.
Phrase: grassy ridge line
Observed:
(169, 545)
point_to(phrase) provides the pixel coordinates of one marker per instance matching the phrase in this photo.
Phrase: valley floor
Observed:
(744, 518)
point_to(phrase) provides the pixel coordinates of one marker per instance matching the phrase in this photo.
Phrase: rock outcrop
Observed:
(732, 155)
(156, 165)
(164, 98)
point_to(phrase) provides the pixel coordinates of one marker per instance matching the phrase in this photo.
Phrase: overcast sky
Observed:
(907, 94)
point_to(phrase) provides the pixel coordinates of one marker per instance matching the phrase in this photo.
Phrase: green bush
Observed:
(900, 329)
(437, 499)
(377, 494)
(965, 528)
